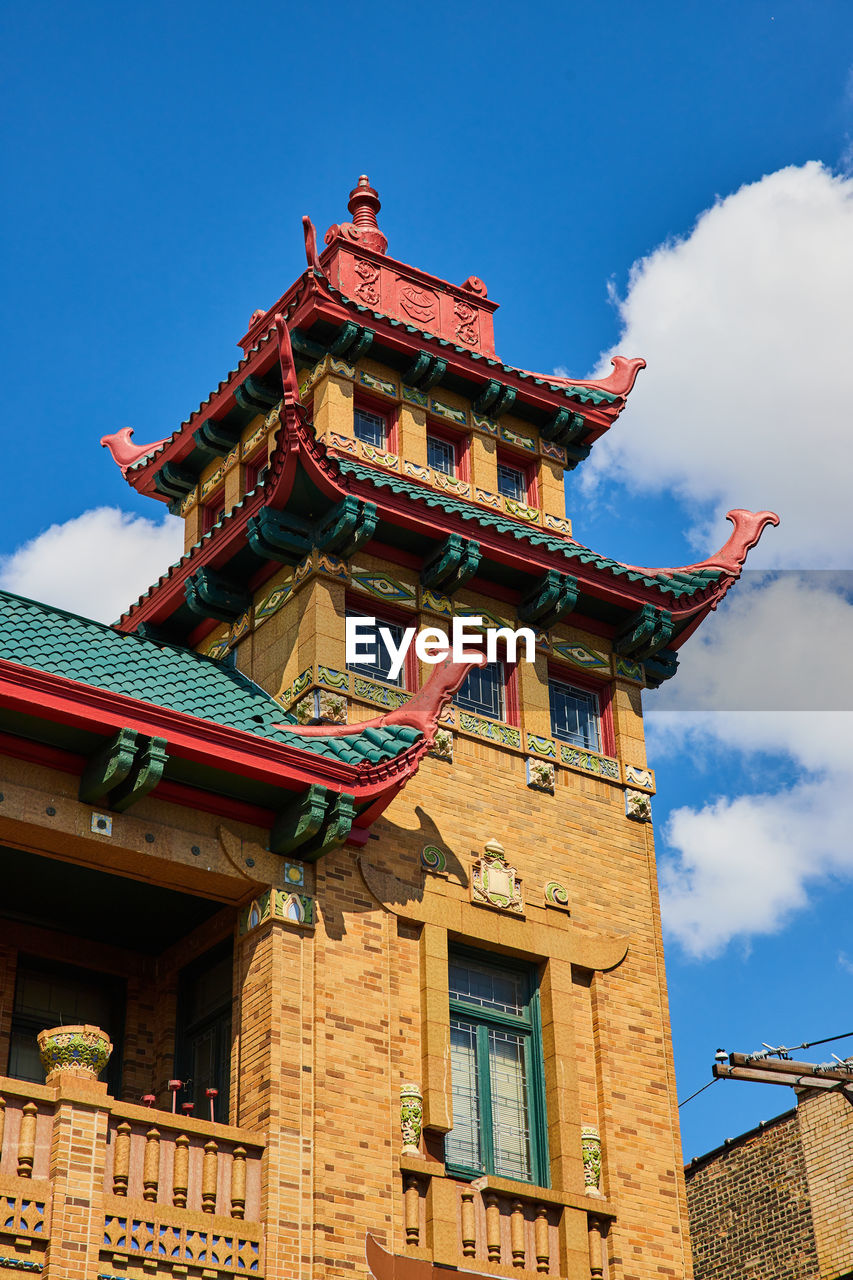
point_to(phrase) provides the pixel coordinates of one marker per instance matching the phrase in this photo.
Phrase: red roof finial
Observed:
(364, 204)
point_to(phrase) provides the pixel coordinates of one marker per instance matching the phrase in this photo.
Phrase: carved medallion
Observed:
(368, 282)
(419, 304)
(494, 883)
(465, 322)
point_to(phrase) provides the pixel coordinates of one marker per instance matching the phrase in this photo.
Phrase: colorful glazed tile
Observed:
(302, 570)
(488, 499)
(297, 908)
(555, 451)
(378, 456)
(188, 501)
(489, 425)
(383, 694)
(294, 875)
(442, 410)
(344, 444)
(333, 679)
(541, 775)
(629, 670)
(420, 398)
(493, 730)
(473, 611)
(514, 437)
(331, 565)
(540, 746)
(442, 746)
(380, 385)
(521, 510)
(211, 484)
(557, 895)
(448, 717)
(232, 459)
(580, 656)
(417, 472)
(341, 367)
(434, 859)
(451, 483)
(558, 525)
(298, 686)
(331, 706)
(589, 762)
(218, 649)
(240, 628)
(254, 440)
(641, 778)
(383, 587)
(638, 806)
(273, 602)
(436, 602)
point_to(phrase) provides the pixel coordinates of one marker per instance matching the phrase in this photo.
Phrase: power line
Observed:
(698, 1091)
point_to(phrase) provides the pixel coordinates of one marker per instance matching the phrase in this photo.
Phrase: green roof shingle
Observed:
(52, 640)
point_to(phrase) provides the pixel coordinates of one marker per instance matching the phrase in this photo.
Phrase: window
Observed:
(50, 994)
(211, 514)
(441, 455)
(512, 482)
(203, 1050)
(377, 666)
(370, 427)
(257, 470)
(496, 1071)
(575, 715)
(483, 691)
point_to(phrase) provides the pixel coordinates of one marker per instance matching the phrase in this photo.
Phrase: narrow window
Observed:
(511, 482)
(441, 455)
(257, 471)
(484, 691)
(377, 664)
(575, 715)
(203, 1050)
(211, 514)
(496, 1070)
(372, 428)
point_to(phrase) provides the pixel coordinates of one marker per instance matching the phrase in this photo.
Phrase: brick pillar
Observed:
(273, 1090)
(77, 1157)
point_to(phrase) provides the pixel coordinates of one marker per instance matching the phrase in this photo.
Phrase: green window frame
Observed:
(497, 1070)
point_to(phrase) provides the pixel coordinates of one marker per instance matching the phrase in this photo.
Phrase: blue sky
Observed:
(158, 164)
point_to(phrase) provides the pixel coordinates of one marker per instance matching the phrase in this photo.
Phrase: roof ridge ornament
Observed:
(364, 204)
(618, 383)
(124, 453)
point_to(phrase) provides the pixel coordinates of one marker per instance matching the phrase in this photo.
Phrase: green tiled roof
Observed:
(677, 582)
(48, 639)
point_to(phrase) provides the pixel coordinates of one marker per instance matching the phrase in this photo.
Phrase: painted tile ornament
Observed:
(80, 1049)
(442, 745)
(638, 806)
(541, 775)
(557, 895)
(411, 1118)
(494, 883)
(641, 778)
(434, 859)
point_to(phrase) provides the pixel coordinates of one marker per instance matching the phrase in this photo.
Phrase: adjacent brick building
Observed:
(777, 1202)
(378, 956)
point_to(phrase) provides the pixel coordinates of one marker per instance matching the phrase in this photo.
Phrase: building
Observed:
(379, 959)
(776, 1203)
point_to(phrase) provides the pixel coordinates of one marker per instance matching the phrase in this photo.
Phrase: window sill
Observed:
(524, 1191)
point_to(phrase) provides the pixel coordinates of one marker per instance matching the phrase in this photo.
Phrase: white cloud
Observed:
(747, 327)
(96, 564)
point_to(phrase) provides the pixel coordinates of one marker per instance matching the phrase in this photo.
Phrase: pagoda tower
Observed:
(397, 923)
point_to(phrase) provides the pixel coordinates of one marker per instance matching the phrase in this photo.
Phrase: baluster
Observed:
(27, 1140)
(151, 1165)
(181, 1171)
(543, 1245)
(208, 1177)
(238, 1183)
(121, 1159)
(2, 1123)
(412, 1203)
(493, 1228)
(596, 1268)
(516, 1234)
(469, 1224)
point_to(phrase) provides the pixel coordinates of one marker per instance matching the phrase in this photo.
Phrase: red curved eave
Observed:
(62, 701)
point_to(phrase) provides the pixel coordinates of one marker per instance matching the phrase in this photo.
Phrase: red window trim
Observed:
(511, 701)
(212, 511)
(382, 409)
(603, 691)
(461, 446)
(367, 605)
(254, 465)
(528, 471)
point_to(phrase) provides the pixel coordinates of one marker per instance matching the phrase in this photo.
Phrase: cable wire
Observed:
(698, 1091)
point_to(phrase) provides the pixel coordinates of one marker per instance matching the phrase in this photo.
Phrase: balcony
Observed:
(94, 1187)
